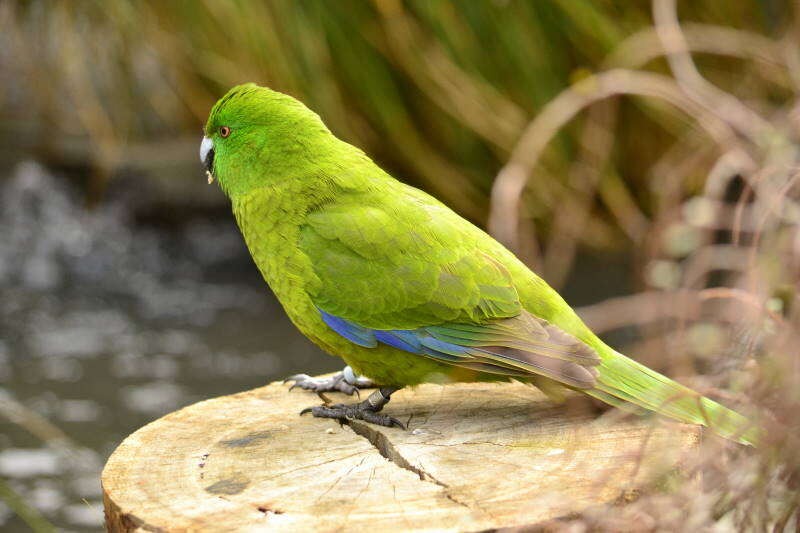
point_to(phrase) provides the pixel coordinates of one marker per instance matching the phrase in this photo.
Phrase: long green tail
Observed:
(625, 379)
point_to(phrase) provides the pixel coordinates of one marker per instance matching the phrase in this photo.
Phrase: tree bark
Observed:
(474, 457)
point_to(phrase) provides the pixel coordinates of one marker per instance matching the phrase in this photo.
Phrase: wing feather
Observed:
(410, 278)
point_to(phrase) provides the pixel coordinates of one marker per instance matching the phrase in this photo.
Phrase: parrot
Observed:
(401, 287)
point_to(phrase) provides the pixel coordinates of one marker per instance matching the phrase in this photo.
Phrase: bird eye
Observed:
(224, 131)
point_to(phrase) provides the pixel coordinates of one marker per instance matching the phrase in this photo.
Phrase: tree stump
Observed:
(474, 457)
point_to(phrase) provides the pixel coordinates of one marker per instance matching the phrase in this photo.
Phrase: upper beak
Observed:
(207, 153)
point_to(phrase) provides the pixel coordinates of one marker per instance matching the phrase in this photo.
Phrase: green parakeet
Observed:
(398, 285)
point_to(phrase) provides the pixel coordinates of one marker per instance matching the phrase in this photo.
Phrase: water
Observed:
(107, 323)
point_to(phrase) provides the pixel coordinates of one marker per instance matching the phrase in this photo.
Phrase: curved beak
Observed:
(207, 157)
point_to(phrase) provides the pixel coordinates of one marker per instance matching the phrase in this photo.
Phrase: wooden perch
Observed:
(475, 456)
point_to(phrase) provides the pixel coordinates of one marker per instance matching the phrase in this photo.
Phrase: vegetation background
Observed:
(641, 156)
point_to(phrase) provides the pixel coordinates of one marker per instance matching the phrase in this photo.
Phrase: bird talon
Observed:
(344, 381)
(367, 410)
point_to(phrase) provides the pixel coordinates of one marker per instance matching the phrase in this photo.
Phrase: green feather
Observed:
(628, 380)
(328, 229)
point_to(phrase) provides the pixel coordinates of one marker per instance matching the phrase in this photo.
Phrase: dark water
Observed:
(109, 319)
(104, 328)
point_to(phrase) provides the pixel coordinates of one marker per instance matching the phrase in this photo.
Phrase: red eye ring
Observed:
(224, 131)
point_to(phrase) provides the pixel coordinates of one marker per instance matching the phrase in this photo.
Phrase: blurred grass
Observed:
(32, 518)
(437, 91)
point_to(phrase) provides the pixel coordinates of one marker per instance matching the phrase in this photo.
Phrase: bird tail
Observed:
(621, 378)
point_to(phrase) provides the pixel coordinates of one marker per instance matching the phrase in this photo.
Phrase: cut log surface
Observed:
(474, 457)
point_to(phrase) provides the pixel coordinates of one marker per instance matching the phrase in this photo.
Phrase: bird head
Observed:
(256, 137)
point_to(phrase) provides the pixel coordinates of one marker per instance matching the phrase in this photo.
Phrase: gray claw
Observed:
(345, 381)
(368, 410)
(333, 383)
(343, 412)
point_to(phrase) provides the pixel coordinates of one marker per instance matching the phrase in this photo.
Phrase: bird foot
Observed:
(345, 381)
(368, 410)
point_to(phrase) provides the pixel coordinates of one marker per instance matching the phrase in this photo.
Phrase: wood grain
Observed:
(476, 456)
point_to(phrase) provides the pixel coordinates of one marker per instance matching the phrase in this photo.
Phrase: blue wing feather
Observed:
(482, 348)
(350, 331)
(404, 340)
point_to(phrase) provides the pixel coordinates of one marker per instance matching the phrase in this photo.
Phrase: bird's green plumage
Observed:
(330, 231)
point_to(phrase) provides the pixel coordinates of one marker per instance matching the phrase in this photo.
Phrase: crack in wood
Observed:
(386, 448)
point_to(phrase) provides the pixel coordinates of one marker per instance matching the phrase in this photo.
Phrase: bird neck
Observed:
(273, 161)
(270, 219)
